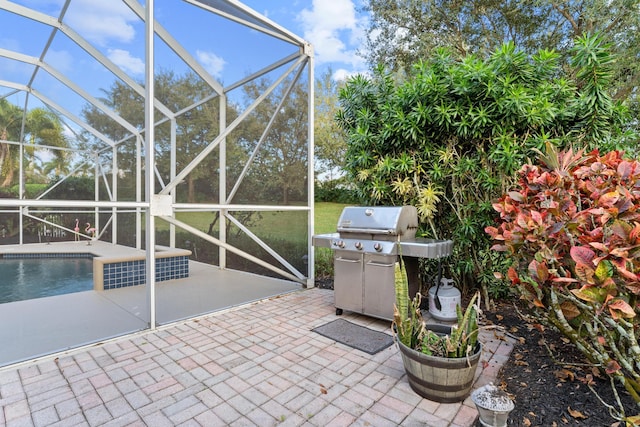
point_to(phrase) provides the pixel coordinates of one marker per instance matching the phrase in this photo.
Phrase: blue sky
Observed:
(335, 28)
(228, 51)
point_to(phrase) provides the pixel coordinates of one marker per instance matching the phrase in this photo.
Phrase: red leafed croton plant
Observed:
(572, 228)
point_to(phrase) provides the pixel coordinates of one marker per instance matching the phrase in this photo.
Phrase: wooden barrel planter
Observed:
(440, 379)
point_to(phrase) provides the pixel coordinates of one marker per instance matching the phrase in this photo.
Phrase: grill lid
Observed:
(379, 220)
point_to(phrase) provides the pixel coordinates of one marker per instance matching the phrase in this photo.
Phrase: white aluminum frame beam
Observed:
(254, 153)
(258, 23)
(150, 166)
(229, 247)
(164, 35)
(205, 152)
(292, 65)
(77, 120)
(68, 83)
(82, 43)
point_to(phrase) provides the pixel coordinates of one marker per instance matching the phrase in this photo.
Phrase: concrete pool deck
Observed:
(42, 326)
(254, 365)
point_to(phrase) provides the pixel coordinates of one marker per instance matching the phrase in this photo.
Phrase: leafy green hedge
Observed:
(336, 191)
(449, 138)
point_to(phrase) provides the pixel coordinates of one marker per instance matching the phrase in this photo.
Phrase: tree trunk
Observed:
(190, 190)
(6, 164)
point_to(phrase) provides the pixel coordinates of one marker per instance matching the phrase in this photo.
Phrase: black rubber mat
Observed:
(356, 336)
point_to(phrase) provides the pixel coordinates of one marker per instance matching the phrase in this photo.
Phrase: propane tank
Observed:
(448, 296)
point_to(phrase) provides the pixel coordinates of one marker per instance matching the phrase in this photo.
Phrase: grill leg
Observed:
(412, 267)
(338, 311)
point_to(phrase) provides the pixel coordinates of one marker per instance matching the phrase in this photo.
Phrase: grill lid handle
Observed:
(368, 230)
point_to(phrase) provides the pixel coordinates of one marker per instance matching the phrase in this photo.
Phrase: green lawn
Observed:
(274, 224)
(326, 216)
(326, 221)
(289, 226)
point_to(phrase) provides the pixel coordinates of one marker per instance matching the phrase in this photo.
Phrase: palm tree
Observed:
(42, 127)
(10, 120)
(58, 165)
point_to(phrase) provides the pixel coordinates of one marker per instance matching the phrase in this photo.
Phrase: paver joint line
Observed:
(207, 371)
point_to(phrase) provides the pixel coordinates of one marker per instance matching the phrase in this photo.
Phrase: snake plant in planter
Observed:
(440, 360)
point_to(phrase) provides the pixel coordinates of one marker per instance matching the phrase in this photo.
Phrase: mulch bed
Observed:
(547, 376)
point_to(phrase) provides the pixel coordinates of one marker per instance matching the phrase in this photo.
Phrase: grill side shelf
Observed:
(427, 248)
(324, 240)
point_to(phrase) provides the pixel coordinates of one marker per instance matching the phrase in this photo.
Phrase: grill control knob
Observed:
(340, 244)
(377, 246)
(359, 246)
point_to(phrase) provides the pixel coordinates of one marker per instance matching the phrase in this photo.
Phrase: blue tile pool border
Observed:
(122, 272)
(115, 272)
(47, 255)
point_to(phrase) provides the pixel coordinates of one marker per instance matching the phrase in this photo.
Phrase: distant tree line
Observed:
(278, 169)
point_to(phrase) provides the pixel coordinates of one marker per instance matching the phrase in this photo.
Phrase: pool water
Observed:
(29, 278)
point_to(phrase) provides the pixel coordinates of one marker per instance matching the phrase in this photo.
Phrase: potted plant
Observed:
(440, 360)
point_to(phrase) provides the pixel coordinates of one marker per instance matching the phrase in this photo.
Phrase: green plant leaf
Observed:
(592, 294)
(604, 270)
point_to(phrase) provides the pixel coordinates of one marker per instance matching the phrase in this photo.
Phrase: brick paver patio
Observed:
(255, 365)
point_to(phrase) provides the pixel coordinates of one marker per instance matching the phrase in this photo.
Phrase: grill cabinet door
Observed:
(379, 285)
(347, 283)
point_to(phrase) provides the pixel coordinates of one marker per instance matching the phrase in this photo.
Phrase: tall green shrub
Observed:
(449, 138)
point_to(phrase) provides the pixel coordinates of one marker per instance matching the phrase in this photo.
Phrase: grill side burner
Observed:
(367, 246)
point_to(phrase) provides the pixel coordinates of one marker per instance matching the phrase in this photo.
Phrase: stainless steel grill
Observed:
(367, 244)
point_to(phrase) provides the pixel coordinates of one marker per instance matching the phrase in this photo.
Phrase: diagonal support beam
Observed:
(205, 152)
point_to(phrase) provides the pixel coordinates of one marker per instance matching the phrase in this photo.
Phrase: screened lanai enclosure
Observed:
(167, 142)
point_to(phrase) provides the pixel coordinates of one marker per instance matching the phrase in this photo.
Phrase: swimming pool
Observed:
(29, 278)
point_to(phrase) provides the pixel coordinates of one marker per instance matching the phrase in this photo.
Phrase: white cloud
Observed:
(124, 60)
(102, 21)
(211, 62)
(342, 74)
(334, 30)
